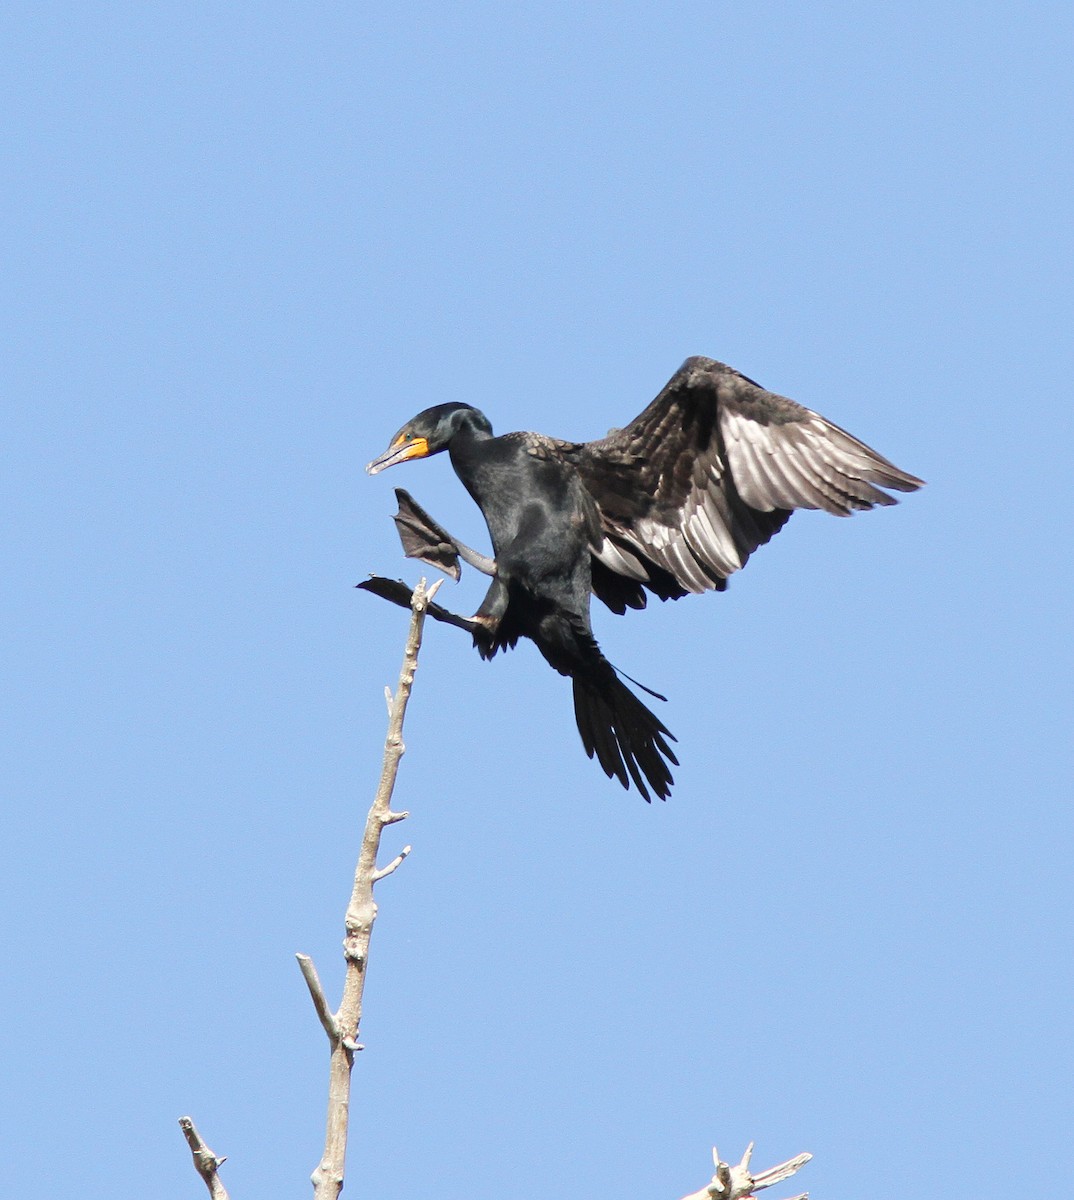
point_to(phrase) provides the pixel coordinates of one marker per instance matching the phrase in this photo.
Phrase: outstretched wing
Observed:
(709, 472)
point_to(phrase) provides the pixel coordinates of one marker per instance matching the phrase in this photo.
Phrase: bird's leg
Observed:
(494, 605)
(481, 626)
(477, 560)
(427, 540)
(397, 592)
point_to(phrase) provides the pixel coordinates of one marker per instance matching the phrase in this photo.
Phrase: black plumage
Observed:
(673, 503)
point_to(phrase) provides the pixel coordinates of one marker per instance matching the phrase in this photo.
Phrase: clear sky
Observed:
(242, 244)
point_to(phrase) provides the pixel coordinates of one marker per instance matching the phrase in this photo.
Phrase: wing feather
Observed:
(711, 470)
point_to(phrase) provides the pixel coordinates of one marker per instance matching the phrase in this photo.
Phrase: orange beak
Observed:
(399, 451)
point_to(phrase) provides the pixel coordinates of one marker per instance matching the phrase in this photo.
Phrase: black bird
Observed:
(673, 503)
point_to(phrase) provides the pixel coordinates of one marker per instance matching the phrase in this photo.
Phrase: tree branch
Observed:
(736, 1183)
(394, 865)
(320, 1002)
(206, 1162)
(728, 1183)
(342, 1028)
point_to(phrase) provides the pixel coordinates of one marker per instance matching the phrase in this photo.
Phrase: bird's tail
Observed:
(629, 741)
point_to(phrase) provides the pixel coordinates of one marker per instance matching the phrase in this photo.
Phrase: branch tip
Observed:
(394, 865)
(320, 1002)
(736, 1183)
(206, 1163)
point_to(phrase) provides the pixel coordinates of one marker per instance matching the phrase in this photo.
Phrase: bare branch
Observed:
(206, 1163)
(727, 1183)
(327, 1178)
(736, 1183)
(783, 1171)
(320, 1003)
(384, 872)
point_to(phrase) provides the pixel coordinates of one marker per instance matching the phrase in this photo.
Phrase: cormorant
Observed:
(673, 503)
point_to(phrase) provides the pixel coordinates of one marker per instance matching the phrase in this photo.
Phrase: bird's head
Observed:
(430, 432)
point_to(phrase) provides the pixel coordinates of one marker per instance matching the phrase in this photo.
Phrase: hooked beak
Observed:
(399, 451)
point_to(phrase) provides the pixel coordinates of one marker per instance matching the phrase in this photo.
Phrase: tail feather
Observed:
(629, 741)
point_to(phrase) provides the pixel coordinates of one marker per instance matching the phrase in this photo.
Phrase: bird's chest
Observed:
(528, 500)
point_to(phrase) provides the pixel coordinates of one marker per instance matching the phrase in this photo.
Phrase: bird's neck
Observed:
(479, 459)
(468, 437)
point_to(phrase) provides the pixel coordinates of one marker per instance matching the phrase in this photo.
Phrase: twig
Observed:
(728, 1183)
(206, 1162)
(342, 1027)
(320, 1002)
(394, 865)
(736, 1183)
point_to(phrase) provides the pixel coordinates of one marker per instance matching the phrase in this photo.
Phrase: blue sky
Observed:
(243, 244)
